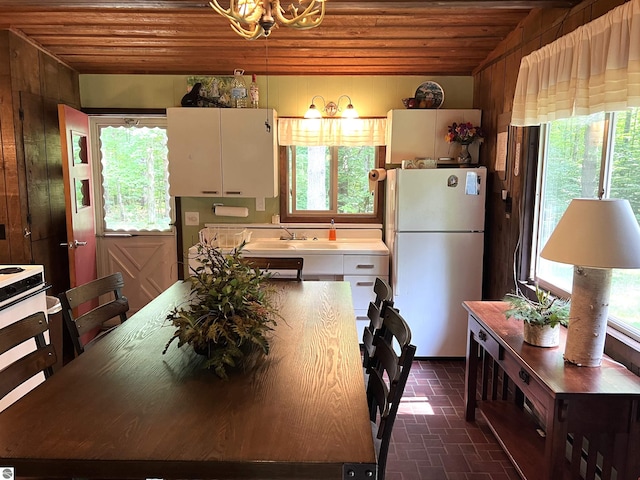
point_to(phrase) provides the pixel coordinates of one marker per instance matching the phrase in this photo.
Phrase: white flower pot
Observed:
(542, 335)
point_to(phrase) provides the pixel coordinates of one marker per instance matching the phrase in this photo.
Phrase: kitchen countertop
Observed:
(351, 246)
(265, 240)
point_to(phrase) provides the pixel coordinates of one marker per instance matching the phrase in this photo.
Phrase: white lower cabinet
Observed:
(361, 272)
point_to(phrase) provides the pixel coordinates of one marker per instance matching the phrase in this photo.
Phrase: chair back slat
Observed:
(40, 360)
(116, 305)
(84, 293)
(96, 317)
(382, 291)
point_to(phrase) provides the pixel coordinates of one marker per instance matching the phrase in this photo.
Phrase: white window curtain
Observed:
(346, 132)
(593, 69)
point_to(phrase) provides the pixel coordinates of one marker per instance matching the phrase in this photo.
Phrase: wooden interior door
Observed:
(78, 192)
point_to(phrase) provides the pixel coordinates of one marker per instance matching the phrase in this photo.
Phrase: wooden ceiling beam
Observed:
(332, 5)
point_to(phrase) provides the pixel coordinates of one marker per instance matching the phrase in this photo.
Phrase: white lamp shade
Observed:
(596, 233)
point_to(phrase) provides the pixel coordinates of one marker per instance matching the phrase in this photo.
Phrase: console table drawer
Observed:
(526, 382)
(484, 339)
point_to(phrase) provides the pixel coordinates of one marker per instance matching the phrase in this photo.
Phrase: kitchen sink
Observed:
(270, 245)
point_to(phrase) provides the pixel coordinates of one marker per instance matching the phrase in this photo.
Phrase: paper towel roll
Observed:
(376, 175)
(222, 211)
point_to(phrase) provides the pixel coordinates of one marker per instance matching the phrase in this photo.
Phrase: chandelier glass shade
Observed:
(253, 19)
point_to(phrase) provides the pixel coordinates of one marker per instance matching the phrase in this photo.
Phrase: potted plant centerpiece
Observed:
(541, 317)
(229, 312)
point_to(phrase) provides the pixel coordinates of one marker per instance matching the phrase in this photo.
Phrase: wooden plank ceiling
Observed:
(438, 37)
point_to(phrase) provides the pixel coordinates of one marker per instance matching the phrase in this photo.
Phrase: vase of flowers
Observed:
(464, 134)
(229, 314)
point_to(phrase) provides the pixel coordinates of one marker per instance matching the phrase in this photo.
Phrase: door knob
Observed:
(75, 244)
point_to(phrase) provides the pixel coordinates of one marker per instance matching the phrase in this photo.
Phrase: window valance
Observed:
(593, 69)
(331, 131)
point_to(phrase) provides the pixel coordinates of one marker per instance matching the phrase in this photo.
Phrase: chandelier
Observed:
(255, 18)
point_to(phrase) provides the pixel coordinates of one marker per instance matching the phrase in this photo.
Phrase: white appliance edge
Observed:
(434, 228)
(31, 301)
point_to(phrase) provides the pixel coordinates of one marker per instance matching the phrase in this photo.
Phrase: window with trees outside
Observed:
(588, 157)
(133, 178)
(331, 182)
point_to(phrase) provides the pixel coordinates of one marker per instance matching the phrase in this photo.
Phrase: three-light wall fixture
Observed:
(331, 108)
(255, 18)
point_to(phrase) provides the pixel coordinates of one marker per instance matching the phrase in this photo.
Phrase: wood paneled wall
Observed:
(32, 83)
(494, 87)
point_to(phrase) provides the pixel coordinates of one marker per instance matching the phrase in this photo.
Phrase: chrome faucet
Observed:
(292, 235)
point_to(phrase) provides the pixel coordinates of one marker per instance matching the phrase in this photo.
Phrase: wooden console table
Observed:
(554, 420)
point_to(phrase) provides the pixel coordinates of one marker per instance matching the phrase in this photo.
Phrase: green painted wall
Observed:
(290, 96)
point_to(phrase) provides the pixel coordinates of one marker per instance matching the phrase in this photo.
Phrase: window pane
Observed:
(625, 183)
(135, 178)
(354, 164)
(331, 182)
(571, 170)
(312, 178)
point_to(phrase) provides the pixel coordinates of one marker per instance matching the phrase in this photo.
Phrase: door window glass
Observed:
(134, 173)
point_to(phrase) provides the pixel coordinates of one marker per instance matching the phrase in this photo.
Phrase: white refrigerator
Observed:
(434, 228)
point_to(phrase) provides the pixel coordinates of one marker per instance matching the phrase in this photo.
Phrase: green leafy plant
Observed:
(229, 311)
(546, 310)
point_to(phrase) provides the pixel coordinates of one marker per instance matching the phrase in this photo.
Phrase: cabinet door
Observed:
(420, 133)
(249, 153)
(193, 140)
(410, 134)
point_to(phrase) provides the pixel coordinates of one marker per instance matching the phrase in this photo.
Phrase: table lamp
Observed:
(594, 236)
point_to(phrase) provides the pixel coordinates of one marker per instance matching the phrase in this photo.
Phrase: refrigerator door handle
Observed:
(394, 267)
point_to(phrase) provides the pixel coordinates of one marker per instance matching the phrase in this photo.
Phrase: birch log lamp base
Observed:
(594, 236)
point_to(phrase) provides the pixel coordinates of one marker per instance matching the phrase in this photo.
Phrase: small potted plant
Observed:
(541, 317)
(229, 312)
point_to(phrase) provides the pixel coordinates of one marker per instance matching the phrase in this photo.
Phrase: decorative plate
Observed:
(429, 95)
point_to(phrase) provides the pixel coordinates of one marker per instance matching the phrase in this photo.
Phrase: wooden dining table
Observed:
(124, 410)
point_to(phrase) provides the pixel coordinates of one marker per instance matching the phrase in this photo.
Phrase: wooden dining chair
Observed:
(39, 360)
(383, 298)
(387, 380)
(278, 264)
(116, 305)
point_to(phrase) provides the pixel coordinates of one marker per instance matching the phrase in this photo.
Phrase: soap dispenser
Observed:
(332, 230)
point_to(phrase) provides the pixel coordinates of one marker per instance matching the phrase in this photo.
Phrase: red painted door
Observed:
(78, 182)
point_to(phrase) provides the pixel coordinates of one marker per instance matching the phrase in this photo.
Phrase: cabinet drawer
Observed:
(320, 264)
(526, 382)
(362, 290)
(485, 340)
(366, 265)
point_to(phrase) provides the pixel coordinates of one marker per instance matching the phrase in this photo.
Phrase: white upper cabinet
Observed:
(224, 152)
(195, 161)
(420, 133)
(249, 152)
